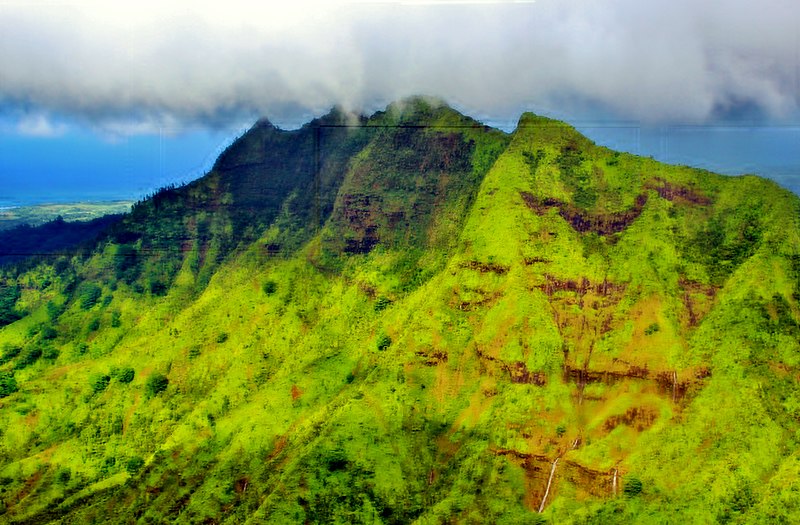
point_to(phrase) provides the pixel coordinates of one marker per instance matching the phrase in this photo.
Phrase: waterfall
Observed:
(614, 484)
(549, 481)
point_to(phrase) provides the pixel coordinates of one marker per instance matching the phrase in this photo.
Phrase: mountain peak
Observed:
(263, 123)
(416, 108)
(339, 116)
(537, 128)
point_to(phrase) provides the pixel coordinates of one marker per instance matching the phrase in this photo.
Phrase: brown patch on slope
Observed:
(483, 267)
(676, 193)
(483, 298)
(517, 371)
(583, 221)
(432, 357)
(584, 376)
(358, 212)
(639, 418)
(605, 288)
(588, 482)
(698, 298)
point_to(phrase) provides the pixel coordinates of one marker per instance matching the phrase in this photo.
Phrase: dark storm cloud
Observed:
(156, 66)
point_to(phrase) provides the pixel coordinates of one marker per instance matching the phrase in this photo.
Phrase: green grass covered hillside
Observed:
(413, 318)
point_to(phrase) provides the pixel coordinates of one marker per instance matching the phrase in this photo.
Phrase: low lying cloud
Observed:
(187, 62)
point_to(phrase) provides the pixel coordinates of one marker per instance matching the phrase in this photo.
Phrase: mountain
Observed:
(414, 318)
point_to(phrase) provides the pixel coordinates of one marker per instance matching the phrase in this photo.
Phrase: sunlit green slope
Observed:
(429, 322)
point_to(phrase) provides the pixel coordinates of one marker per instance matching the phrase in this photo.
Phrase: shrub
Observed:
(63, 475)
(8, 300)
(155, 384)
(8, 385)
(49, 333)
(158, 288)
(54, 311)
(89, 296)
(222, 337)
(134, 465)
(270, 287)
(108, 465)
(533, 159)
(94, 325)
(335, 459)
(653, 328)
(50, 353)
(118, 425)
(116, 319)
(126, 263)
(99, 382)
(124, 375)
(29, 358)
(384, 342)
(633, 487)
(9, 353)
(381, 303)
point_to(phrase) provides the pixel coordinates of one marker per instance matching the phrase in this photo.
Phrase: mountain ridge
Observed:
(425, 320)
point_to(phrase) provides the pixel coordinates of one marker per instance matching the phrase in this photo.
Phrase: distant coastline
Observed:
(13, 214)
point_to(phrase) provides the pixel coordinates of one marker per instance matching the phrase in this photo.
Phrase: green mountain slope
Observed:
(413, 318)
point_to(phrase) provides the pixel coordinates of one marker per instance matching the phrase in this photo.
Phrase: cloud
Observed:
(39, 125)
(152, 65)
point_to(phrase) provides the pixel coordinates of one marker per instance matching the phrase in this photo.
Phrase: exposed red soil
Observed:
(485, 267)
(695, 309)
(639, 418)
(583, 221)
(588, 481)
(432, 357)
(675, 193)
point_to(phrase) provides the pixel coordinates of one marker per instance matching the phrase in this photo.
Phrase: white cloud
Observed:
(219, 62)
(39, 125)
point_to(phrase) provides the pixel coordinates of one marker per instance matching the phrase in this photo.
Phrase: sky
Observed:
(108, 99)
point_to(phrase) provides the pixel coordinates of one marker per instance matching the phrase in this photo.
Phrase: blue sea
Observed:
(24, 200)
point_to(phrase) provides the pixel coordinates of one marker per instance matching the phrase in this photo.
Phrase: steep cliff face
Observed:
(414, 318)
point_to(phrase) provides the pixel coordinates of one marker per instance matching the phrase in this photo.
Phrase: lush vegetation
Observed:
(413, 319)
(32, 243)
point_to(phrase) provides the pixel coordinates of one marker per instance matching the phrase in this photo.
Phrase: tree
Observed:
(8, 385)
(28, 358)
(9, 295)
(381, 303)
(126, 263)
(134, 465)
(633, 487)
(156, 384)
(99, 382)
(63, 475)
(384, 342)
(270, 287)
(123, 375)
(54, 311)
(89, 296)
(9, 353)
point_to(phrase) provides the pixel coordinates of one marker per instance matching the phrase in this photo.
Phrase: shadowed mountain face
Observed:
(413, 318)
